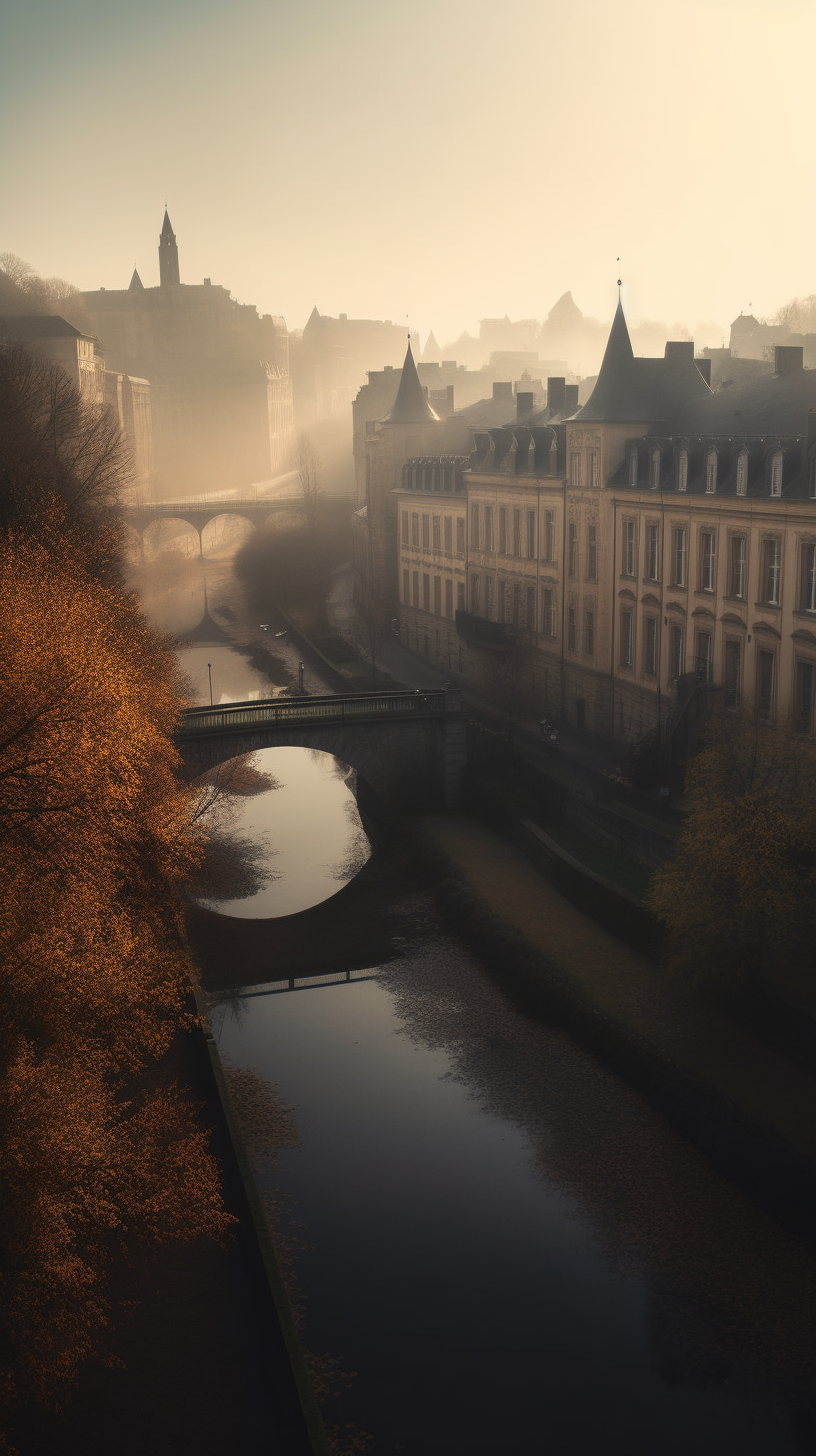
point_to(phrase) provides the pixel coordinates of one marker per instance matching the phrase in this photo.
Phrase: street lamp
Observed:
(209, 675)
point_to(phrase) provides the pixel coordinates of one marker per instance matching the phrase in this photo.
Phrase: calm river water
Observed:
(501, 1240)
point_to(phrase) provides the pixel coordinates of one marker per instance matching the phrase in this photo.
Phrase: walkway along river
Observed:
(513, 1252)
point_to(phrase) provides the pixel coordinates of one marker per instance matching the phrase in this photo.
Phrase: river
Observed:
(499, 1244)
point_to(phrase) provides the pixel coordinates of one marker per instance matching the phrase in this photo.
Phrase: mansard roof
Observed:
(411, 405)
(630, 389)
(775, 404)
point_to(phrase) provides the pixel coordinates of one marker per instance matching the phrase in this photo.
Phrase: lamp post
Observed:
(209, 675)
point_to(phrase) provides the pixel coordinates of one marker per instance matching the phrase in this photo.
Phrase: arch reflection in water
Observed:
(311, 829)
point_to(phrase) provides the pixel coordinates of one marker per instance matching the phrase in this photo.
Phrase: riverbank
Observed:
(745, 1102)
(204, 1366)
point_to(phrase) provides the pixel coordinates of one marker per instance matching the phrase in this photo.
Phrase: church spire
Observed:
(411, 404)
(168, 255)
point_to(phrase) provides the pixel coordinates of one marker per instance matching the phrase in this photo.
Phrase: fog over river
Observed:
(511, 1251)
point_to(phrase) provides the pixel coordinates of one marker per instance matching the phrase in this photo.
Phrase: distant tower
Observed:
(168, 255)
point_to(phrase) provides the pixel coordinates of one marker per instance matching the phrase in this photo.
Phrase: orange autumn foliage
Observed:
(96, 838)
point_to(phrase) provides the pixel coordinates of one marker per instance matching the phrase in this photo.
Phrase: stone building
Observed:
(651, 553)
(81, 358)
(222, 396)
(410, 427)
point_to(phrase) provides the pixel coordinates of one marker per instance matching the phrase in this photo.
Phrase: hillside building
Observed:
(222, 396)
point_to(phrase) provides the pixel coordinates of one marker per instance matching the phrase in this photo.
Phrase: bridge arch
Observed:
(154, 538)
(209, 529)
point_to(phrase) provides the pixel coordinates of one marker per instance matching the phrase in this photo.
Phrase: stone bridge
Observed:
(198, 513)
(408, 749)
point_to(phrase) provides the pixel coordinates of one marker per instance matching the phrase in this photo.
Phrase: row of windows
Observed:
(510, 602)
(420, 590)
(770, 584)
(765, 666)
(775, 469)
(434, 532)
(517, 534)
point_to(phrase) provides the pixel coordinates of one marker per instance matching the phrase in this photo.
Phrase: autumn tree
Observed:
(738, 899)
(96, 839)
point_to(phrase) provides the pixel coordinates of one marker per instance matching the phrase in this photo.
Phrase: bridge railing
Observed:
(230, 717)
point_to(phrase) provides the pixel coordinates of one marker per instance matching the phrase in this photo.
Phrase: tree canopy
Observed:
(96, 839)
(738, 899)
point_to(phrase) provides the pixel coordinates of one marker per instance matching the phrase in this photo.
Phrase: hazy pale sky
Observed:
(442, 159)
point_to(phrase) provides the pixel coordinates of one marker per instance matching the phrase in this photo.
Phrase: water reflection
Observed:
(311, 829)
(513, 1250)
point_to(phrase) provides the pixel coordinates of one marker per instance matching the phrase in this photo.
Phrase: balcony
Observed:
(486, 634)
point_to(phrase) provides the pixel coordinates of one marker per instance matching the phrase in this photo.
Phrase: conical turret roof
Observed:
(136, 285)
(411, 405)
(639, 391)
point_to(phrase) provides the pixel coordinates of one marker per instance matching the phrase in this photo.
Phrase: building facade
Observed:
(653, 552)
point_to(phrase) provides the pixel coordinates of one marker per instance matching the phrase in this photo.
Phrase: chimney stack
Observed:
(502, 389)
(704, 366)
(679, 351)
(525, 403)
(570, 399)
(556, 395)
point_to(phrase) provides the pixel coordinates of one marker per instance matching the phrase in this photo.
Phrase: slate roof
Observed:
(776, 404)
(411, 405)
(648, 391)
(40, 326)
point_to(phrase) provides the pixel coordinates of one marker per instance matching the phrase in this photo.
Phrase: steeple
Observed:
(411, 405)
(136, 285)
(168, 255)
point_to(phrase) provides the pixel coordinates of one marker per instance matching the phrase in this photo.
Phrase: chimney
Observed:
(557, 395)
(704, 366)
(502, 389)
(788, 359)
(525, 403)
(570, 399)
(679, 351)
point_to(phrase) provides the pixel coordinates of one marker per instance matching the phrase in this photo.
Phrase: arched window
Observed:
(742, 473)
(682, 470)
(655, 470)
(711, 472)
(633, 468)
(776, 473)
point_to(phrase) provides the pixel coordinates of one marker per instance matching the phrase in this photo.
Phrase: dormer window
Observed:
(776, 473)
(682, 470)
(742, 473)
(711, 473)
(655, 470)
(633, 468)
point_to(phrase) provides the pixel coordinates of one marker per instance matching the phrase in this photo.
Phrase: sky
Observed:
(433, 163)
